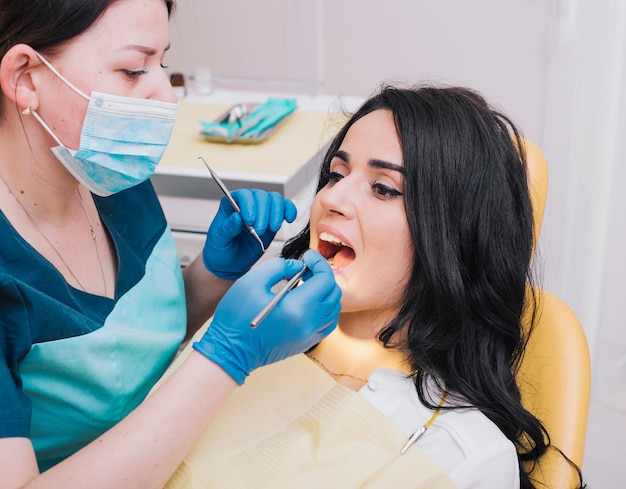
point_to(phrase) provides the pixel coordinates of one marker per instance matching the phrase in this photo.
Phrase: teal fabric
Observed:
(92, 381)
(253, 124)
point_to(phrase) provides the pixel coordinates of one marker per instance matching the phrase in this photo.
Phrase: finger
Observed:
(226, 208)
(247, 205)
(223, 231)
(320, 284)
(316, 262)
(256, 208)
(263, 210)
(329, 308)
(291, 212)
(328, 313)
(272, 271)
(282, 210)
(320, 335)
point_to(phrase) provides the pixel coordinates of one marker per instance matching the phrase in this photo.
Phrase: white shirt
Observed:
(464, 442)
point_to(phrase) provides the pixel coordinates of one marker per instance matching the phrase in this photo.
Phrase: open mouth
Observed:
(336, 252)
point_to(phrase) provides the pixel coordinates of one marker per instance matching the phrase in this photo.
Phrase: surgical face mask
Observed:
(121, 142)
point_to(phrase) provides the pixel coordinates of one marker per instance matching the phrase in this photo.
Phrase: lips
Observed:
(338, 253)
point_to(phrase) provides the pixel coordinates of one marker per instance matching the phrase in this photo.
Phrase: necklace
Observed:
(94, 236)
(330, 372)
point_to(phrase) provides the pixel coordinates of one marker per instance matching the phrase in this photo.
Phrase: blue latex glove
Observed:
(230, 250)
(306, 315)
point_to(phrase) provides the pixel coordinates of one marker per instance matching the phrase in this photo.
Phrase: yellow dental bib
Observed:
(292, 426)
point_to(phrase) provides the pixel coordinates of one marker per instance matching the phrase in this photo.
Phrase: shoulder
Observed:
(467, 444)
(474, 451)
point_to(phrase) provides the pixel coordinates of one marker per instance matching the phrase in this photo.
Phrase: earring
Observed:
(26, 111)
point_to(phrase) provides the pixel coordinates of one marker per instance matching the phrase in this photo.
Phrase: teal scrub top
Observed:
(73, 364)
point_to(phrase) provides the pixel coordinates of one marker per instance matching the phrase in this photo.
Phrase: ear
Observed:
(17, 77)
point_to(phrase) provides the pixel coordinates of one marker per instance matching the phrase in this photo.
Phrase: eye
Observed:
(165, 67)
(134, 74)
(384, 191)
(332, 177)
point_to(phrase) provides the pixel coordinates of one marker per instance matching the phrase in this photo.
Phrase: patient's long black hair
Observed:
(471, 223)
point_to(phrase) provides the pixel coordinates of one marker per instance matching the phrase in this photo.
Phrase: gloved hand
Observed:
(230, 250)
(306, 315)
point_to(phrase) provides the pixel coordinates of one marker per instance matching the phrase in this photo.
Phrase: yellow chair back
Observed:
(555, 372)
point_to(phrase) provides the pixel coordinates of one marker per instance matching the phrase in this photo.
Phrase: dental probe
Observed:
(230, 198)
(276, 299)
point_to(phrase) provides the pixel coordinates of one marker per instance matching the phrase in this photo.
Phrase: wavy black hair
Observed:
(471, 223)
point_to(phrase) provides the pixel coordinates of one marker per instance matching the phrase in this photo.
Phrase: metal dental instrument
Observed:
(422, 429)
(414, 437)
(276, 299)
(292, 281)
(230, 199)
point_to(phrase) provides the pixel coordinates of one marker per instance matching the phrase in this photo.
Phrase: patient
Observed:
(423, 211)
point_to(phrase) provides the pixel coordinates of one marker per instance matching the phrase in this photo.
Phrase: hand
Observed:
(230, 250)
(306, 315)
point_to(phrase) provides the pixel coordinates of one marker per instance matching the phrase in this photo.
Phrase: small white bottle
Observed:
(203, 81)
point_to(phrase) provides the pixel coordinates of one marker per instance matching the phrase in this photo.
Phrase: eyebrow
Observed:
(144, 49)
(373, 163)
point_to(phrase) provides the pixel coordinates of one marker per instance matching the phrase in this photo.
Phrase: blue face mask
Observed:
(121, 142)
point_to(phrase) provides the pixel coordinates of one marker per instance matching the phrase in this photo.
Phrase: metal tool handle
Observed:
(232, 201)
(293, 281)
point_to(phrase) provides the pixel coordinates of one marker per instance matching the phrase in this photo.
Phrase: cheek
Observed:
(73, 127)
(314, 216)
(388, 231)
(396, 251)
(67, 122)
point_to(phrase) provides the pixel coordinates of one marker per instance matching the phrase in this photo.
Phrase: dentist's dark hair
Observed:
(46, 24)
(470, 217)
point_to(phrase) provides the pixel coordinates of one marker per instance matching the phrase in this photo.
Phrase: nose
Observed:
(339, 198)
(163, 90)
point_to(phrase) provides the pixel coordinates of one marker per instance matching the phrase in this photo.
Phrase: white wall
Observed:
(350, 46)
(247, 39)
(555, 66)
(585, 228)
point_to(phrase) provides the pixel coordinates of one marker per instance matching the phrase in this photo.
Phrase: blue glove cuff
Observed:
(222, 357)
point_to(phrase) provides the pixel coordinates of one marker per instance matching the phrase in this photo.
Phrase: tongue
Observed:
(343, 258)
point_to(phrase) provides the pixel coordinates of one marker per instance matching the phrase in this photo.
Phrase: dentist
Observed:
(93, 303)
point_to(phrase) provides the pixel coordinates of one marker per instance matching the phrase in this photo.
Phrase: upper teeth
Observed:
(324, 236)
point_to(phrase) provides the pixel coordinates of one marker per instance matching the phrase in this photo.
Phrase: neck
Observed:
(45, 205)
(365, 325)
(356, 351)
(40, 182)
(25, 149)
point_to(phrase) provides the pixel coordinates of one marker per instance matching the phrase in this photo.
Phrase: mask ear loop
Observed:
(65, 80)
(29, 111)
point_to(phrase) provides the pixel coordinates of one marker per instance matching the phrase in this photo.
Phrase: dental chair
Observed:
(555, 372)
